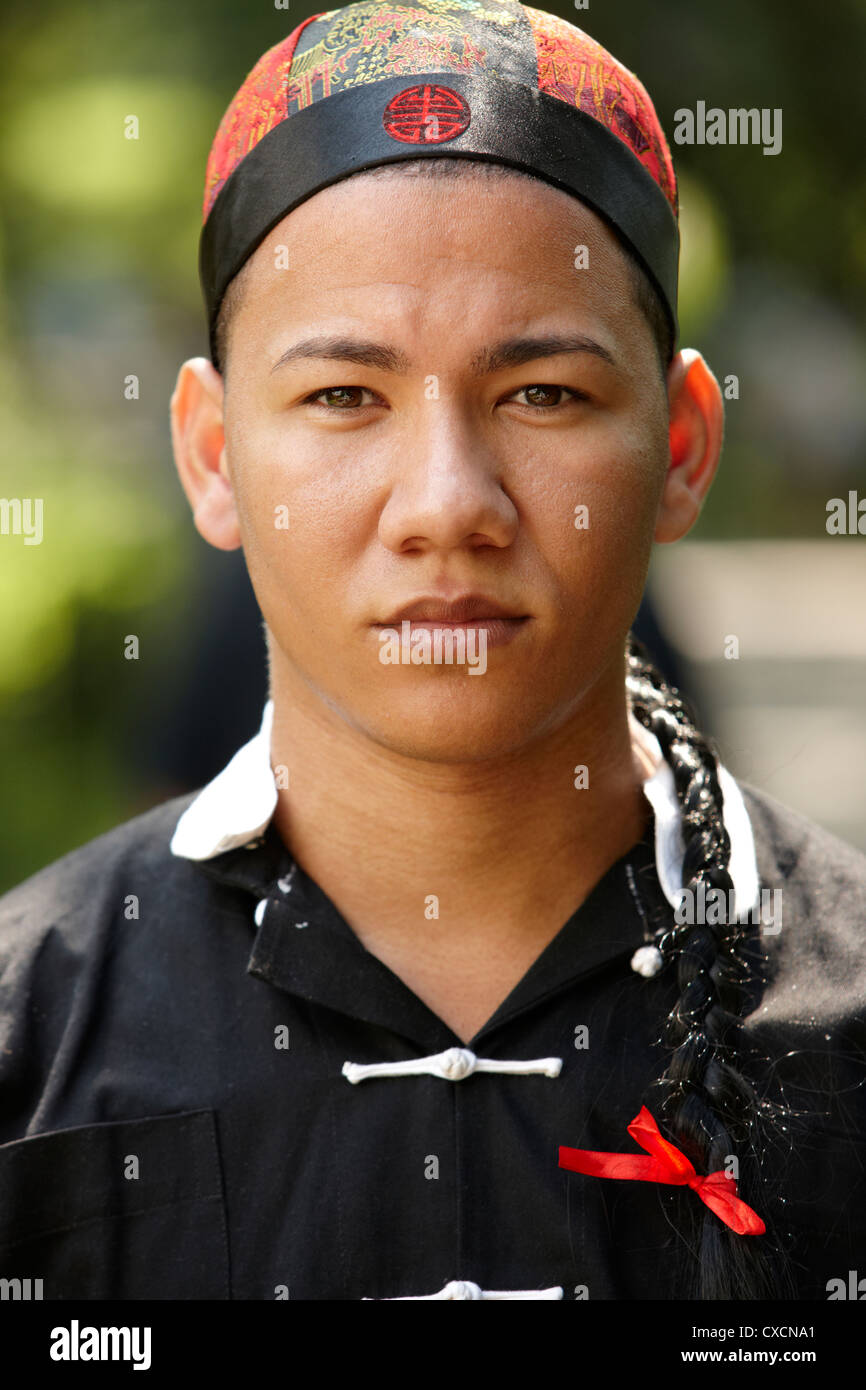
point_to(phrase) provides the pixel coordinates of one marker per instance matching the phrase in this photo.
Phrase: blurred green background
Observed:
(98, 248)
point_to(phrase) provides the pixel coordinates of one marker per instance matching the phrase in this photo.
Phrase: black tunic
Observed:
(175, 1122)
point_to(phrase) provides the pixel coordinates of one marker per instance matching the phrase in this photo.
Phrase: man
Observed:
(335, 1027)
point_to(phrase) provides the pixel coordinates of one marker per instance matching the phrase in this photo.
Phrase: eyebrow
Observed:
(512, 352)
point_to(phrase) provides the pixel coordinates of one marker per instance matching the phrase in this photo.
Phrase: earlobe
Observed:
(696, 433)
(198, 440)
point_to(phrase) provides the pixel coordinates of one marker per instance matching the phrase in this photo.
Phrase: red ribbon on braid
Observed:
(667, 1164)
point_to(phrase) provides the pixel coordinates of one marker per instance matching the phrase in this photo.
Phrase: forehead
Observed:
(433, 247)
(387, 212)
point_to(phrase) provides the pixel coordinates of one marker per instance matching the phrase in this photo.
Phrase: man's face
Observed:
(431, 476)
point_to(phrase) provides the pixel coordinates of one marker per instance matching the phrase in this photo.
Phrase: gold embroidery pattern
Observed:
(371, 42)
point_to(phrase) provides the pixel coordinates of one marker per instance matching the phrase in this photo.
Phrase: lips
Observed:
(497, 624)
(471, 608)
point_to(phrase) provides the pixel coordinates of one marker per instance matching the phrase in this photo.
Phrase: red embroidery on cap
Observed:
(426, 115)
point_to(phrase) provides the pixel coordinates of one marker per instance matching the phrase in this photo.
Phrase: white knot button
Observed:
(456, 1063)
(452, 1065)
(261, 909)
(647, 961)
(464, 1288)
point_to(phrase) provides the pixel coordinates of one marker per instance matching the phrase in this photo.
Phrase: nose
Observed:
(447, 489)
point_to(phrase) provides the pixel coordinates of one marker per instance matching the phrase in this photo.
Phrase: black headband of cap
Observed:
(509, 123)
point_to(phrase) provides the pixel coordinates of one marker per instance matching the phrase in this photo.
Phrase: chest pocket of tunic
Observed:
(130, 1209)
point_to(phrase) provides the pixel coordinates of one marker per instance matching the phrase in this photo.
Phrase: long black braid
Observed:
(710, 1108)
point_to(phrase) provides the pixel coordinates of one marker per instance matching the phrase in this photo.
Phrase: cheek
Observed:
(302, 515)
(592, 504)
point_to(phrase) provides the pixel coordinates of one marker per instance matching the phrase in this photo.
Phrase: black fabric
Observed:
(65, 1195)
(511, 123)
(263, 1172)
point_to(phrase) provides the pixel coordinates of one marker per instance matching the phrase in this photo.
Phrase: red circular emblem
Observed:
(426, 115)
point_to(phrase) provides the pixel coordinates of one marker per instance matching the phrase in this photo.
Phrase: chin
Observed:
(457, 726)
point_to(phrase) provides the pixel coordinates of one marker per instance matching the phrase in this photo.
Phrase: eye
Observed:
(543, 396)
(540, 396)
(347, 397)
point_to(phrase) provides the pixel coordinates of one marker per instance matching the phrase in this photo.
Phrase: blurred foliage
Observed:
(98, 244)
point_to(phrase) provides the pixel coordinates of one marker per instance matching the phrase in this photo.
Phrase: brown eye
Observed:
(545, 397)
(346, 397)
(542, 395)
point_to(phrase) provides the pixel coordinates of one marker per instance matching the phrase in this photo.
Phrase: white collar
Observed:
(238, 805)
(660, 792)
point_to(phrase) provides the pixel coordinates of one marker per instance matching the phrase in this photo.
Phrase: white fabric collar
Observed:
(660, 792)
(238, 805)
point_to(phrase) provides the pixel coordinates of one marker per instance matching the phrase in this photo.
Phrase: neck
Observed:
(508, 848)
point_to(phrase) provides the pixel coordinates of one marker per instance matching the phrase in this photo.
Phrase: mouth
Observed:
(471, 611)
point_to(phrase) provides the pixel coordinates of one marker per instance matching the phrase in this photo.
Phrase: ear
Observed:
(198, 439)
(697, 422)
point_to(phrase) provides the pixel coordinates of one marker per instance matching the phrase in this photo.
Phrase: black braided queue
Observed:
(710, 1109)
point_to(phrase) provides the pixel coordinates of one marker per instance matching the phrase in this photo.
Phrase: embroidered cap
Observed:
(375, 83)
